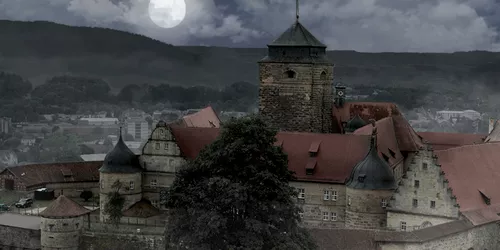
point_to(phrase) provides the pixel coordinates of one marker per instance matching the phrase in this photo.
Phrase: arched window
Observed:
(426, 224)
(322, 76)
(289, 74)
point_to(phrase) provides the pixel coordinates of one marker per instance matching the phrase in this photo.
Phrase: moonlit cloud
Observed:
(362, 25)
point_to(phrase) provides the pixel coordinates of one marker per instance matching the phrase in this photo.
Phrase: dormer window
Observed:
(361, 178)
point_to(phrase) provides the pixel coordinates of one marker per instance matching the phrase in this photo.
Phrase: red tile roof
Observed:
(472, 170)
(387, 142)
(205, 118)
(483, 215)
(64, 207)
(441, 141)
(408, 139)
(337, 153)
(40, 174)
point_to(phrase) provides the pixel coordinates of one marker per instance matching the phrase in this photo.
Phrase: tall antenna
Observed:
(297, 10)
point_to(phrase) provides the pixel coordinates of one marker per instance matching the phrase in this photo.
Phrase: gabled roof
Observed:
(297, 36)
(141, 209)
(441, 141)
(387, 142)
(204, 118)
(337, 153)
(408, 139)
(39, 174)
(473, 173)
(63, 207)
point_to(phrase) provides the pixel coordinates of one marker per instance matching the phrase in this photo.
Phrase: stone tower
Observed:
(122, 165)
(61, 224)
(368, 190)
(295, 92)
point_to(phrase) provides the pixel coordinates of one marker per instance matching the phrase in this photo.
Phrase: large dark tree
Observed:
(236, 194)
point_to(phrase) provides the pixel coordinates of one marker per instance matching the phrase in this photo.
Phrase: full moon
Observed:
(167, 13)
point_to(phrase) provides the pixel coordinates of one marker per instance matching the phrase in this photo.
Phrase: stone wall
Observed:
(314, 204)
(364, 208)
(19, 238)
(484, 237)
(95, 241)
(61, 233)
(413, 221)
(296, 103)
(132, 193)
(423, 190)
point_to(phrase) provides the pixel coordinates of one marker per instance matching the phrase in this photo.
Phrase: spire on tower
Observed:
(297, 10)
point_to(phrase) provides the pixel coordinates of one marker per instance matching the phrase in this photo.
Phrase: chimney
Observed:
(491, 125)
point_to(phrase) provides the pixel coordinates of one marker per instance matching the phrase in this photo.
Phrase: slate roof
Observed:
(39, 174)
(297, 36)
(63, 207)
(408, 139)
(337, 154)
(373, 172)
(121, 160)
(441, 141)
(204, 118)
(473, 174)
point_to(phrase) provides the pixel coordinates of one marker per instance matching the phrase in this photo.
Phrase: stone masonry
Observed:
(295, 96)
(423, 191)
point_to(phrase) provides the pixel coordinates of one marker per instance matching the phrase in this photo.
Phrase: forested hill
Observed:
(40, 50)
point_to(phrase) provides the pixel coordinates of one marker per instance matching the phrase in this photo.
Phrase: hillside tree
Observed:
(236, 194)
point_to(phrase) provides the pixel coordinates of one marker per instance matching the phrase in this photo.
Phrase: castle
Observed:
(361, 169)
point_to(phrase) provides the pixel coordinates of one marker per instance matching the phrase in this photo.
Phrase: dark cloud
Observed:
(363, 25)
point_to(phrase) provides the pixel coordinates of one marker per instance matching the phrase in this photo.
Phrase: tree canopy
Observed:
(236, 194)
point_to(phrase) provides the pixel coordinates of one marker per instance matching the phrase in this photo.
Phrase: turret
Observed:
(368, 190)
(61, 224)
(353, 124)
(121, 165)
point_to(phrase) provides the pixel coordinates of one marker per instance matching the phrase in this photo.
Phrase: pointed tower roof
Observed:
(355, 123)
(372, 173)
(297, 36)
(63, 207)
(121, 159)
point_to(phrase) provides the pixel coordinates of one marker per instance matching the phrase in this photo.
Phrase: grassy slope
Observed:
(37, 50)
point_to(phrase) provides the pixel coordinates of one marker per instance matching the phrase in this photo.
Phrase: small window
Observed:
(417, 184)
(403, 226)
(302, 193)
(166, 145)
(348, 200)
(326, 216)
(157, 145)
(433, 204)
(333, 216)
(334, 195)
(384, 203)
(392, 153)
(424, 166)
(290, 74)
(301, 214)
(65, 224)
(131, 185)
(322, 76)
(102, 183)
(153, 183)
(326, 195)
(386, 158)
(415, 203)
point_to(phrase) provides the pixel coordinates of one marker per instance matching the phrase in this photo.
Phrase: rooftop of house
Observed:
(441, 141)
(38, 174)
(204, 118)
(63, 207)
(472, 172)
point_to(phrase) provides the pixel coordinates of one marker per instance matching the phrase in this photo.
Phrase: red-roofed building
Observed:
(441, 141)
(204, 118)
